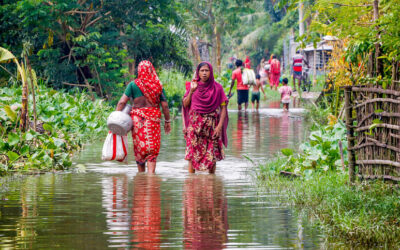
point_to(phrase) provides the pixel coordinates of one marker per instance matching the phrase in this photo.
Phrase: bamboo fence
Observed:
(373, 131)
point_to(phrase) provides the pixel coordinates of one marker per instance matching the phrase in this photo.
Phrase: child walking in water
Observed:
(286, 93)
(255, 93)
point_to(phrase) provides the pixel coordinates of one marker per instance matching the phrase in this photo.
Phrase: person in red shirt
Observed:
(242, 90)
(298, 60)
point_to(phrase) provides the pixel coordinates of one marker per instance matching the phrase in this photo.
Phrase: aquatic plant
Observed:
(64, 121)
(321, 152)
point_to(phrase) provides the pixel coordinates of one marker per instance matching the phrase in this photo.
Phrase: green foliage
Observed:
(365, 215)
(65, 120)
(318, 114)
(320, 153)
(92, 42)
(174, 86)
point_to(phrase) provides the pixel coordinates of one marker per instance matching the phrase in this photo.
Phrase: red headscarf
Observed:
(148, 82)
(247, 62)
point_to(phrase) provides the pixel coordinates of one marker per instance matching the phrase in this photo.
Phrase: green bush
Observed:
(174, 85)
(64, 121)
(319, 153)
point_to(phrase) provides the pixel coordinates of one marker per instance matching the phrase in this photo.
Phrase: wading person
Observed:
(242, 90)
(286, 93)
(147, 94)
(275, 72)
(206, 120)
(297, 67)
(247, 63)
(255, 93)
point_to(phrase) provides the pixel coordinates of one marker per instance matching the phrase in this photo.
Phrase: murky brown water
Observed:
(113, 206)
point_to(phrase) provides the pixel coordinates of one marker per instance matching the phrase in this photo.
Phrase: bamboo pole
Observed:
(350, 134)
(376, 90)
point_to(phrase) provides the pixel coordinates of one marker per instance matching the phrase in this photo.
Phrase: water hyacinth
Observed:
(64, 121)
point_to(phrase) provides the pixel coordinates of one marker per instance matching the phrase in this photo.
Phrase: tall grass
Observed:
(366, 214)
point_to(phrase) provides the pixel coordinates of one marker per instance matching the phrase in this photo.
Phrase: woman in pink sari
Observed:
(206, 119)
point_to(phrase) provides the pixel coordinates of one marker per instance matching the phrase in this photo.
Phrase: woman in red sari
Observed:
(247, 62)
(206, 119)
(147, 94)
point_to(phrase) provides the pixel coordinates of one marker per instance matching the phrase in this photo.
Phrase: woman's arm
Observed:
(188, 98)
(223, 116)
(167, 122)
(122, 102)
(218, 129)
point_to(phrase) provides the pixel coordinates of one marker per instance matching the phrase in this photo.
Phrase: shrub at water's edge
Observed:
(367, 214)
(361, 214)
(64, 122)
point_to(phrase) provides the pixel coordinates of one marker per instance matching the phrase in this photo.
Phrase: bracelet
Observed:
(167, 121)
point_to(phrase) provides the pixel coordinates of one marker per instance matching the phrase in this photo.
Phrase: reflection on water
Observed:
(115, 202)
(237, 133)
(146, 212)
(113, 206)
(205, 212)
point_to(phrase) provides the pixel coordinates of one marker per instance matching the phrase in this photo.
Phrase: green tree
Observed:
(92, 43)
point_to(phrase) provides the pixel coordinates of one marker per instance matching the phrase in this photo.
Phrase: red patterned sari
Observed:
(146, 132)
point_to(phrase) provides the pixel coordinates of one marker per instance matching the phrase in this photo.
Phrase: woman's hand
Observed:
(167, 127)
(217, 132)
(193, 86)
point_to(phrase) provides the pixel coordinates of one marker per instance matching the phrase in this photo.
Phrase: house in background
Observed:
(317, 58)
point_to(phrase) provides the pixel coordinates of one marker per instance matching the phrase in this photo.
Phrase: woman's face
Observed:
(204, 73)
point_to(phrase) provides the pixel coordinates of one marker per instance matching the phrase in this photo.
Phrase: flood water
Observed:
(111, 205)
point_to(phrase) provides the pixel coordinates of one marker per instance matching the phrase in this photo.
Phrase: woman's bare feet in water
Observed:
(190, 168)
(212, 170)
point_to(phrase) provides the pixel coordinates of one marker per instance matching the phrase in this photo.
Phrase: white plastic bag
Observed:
(248, 77)
(115, 148)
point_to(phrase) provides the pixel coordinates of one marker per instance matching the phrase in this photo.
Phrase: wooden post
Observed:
(350, 132)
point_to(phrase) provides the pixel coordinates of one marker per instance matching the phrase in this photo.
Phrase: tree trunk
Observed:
(301, 17)
(131, 67)
(213, 33)
(195, 51)
(213, 48)
(218, 50)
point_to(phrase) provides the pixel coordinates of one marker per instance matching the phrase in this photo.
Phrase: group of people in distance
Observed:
(243, 90)
(204, 115)
(268, 71)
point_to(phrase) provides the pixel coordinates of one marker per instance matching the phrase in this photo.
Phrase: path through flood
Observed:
(112, 206)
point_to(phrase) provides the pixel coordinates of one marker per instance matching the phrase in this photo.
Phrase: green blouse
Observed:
(133, 91)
